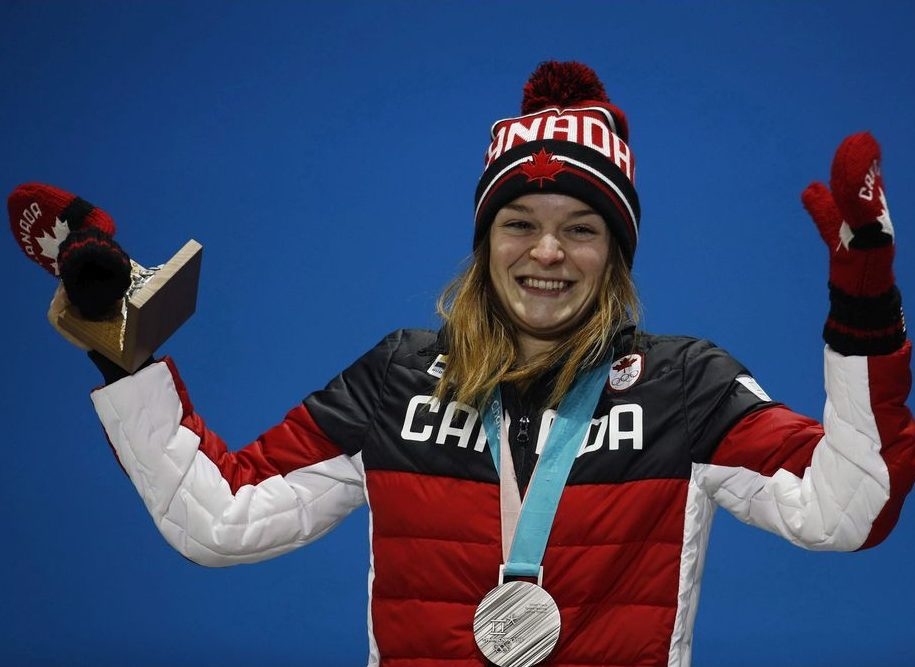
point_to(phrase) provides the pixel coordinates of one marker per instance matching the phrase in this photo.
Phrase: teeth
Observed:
(545, 284)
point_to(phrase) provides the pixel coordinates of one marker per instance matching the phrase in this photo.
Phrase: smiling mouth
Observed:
(545, 285)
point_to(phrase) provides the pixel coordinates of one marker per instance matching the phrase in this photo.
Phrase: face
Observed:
(548, 254)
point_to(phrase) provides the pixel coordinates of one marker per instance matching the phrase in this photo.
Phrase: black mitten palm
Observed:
(95, 272)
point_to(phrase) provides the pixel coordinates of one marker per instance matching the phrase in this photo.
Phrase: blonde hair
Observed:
(482, 342)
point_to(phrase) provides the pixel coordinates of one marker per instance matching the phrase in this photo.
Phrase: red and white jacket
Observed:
(680, 428)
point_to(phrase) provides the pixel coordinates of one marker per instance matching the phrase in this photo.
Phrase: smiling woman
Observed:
(547, 259)
(548, 288)
(541, 473)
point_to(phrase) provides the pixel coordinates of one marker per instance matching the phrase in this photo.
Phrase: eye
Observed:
(517, 225)
(582, 231)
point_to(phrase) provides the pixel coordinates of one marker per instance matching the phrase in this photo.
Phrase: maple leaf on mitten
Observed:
(71, 238)
(853, 219)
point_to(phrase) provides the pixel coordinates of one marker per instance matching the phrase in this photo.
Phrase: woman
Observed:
(542, 474)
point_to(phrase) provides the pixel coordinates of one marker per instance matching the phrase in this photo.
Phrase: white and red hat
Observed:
(569, 140)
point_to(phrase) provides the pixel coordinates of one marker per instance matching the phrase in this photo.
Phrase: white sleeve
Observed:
(836, 486)
(216, 507)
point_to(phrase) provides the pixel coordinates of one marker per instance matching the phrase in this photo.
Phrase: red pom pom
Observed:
(561, 84)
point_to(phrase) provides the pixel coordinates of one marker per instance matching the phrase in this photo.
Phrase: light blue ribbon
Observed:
(548, 481)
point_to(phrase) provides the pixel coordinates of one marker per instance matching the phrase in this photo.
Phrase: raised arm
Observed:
(285, 489)
(838, 485)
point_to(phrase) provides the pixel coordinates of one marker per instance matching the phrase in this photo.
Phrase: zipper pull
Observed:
(523, 423)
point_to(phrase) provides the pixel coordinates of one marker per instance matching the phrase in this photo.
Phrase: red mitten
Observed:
(71, 238)
(865, 316)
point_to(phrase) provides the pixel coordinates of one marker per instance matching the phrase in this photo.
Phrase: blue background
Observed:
(325, 154)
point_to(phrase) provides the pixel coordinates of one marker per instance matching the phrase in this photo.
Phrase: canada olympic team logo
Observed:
(625, 372)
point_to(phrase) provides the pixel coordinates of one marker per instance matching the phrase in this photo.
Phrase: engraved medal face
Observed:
(517, 624)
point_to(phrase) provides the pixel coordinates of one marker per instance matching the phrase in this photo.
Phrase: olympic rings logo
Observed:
(627, 377)
(625, 371)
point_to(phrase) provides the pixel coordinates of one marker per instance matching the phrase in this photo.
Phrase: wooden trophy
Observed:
(159, 300)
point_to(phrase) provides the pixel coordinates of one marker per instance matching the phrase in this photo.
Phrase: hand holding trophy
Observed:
(105, 301)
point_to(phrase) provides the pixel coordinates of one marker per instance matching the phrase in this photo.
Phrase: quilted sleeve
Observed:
(838, 485)
(219, 507)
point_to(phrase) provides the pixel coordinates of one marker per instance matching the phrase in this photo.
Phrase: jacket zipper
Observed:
(523, 424)
(522, 439)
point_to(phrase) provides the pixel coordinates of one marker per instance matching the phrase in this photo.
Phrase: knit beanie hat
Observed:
(569, 140)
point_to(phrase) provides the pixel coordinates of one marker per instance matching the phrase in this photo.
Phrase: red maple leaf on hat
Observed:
(542, 167)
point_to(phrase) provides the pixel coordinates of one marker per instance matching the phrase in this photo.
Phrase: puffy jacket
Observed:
(680, 428)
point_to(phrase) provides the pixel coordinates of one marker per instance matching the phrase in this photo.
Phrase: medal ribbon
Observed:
(526, 526)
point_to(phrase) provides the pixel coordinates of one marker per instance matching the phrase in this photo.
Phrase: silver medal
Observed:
(517, 624)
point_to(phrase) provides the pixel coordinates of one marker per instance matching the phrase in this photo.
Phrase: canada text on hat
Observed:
(589, 126)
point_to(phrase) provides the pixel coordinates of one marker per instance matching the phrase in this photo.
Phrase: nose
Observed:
(547, 250)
